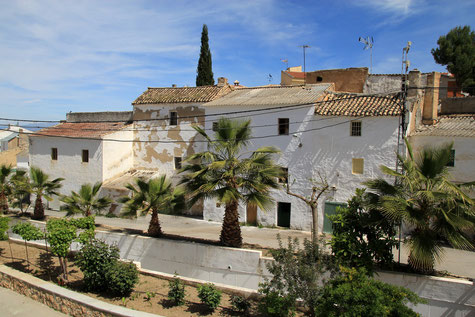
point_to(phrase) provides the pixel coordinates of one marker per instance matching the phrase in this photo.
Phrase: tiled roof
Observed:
(299, 75)
(82, 129)
(462, 125)
(355, 105)
(271, 95)
(181, 94)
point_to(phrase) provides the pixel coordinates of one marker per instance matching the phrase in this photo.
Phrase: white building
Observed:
(343, 136)
(87, 148)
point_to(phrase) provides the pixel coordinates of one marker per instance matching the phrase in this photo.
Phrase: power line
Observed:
(183, 141)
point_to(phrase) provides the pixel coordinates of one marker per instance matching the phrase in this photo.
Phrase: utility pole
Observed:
(304, 47)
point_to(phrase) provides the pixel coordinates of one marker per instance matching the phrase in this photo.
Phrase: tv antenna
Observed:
(269, 77)
(304, 47)
(286, 62)
(368, 44)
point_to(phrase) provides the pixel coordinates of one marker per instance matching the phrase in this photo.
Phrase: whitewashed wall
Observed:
(329, 149)
(464, 167)
(69, 164)
(117, 156)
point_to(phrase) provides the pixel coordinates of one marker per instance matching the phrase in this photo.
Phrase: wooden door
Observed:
(251, 215)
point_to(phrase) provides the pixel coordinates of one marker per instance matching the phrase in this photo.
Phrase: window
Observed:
(173, 118)
(177, 162)
(355, 128)
(85, 156)
(285, 177)
(54, 154)
(357, 166)
(215, 126)
(283, 126)
(451, 161)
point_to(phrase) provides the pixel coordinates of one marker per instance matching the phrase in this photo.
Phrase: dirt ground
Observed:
(42, 265)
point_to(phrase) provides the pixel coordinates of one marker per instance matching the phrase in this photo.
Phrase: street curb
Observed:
(62, 299)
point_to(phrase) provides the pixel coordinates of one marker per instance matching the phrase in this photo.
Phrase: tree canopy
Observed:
(204, 71)
(457, 51)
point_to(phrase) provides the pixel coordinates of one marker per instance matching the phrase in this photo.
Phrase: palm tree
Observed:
(222, 173)
(86, 201)
(155, 195)
(42, 187)
(433, 208)
(21, 190)
(5, 187)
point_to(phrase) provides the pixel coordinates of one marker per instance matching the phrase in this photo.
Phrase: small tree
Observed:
(319, 187)
(41, 186)
(204, 71)
(86, 201)
(355, 294)
(362, 236)
(4, 228)
(457, 51)
(298, 273)
(155, 195)
(27, 232)
(61, 233)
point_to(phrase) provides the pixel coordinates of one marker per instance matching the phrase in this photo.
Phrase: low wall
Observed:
(60, 298)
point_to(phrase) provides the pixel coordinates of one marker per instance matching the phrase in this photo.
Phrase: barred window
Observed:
(85, 156)
(177, 162)
(355, 128)
(357, 166)
(54, 154)
(283, 126)
(173, 118)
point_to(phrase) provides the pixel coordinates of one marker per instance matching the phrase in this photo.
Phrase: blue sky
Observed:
(61, 56)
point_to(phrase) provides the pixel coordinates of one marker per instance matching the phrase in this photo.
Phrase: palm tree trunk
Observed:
(154, 229)
(3, 202)
(39, 212)
(231, 231)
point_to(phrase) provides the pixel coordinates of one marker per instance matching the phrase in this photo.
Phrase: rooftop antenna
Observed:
(286, 61)
(368, 44)
(304, 47)
(269, 77)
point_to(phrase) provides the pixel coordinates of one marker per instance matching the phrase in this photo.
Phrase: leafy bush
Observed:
(356, 294)
(4, 227)
(176, 291)
(240, 304)
(274, 304)
(209, 295)
(298, 273)
(88, 225)
(121, 278)
(362, 236)
(27, 231)
(94, 259)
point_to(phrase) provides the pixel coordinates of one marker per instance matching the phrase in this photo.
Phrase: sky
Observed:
(58, 56)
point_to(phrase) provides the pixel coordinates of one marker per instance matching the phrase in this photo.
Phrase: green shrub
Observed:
(273, 304)
(298, 272)
(240, 304)
(88, 225)
(362, 236)
(94, 260)
(121, 278)
(176, 291)
(27, 231)
(209, 295)
(356, 294)
(4, 227)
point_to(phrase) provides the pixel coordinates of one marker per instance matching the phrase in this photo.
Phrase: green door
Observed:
(283, 215)
(330, 209)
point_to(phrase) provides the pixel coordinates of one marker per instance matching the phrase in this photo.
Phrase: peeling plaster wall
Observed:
(329, 150)
(160, 156)
(69, 164)
(118, 156)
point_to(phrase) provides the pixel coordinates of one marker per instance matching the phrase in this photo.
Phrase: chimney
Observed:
(236, 82)
(414, 79)
(431, 98)
(173, 85)
(222, 81)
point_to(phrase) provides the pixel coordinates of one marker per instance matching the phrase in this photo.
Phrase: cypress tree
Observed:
(204, 71)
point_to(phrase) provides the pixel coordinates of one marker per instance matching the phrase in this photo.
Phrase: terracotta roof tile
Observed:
(182, 94)
(82, 129)
(355, 105)
(461, 125)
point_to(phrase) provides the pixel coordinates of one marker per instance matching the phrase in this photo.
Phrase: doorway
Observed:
(283, 215)
(251, 215)
(330, 209)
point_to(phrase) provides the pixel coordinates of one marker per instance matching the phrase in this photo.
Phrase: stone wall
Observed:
(458, 105)
(109, 116)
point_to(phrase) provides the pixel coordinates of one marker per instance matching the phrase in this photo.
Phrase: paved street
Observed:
(14, 304)
(454, 261)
